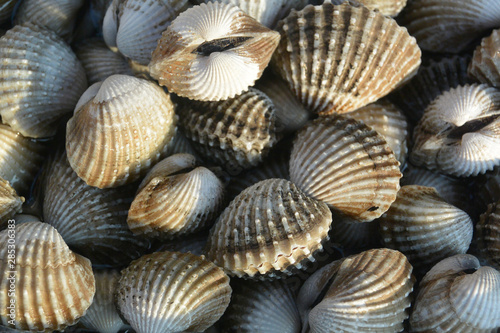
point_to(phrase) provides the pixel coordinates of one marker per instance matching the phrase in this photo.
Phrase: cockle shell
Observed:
(347, 165)
(366, 292)
(172, 292)
(41, 80)
(57, 285)
(458, 295)
(459, 133)
(268, 230)
(338, 58)
(487, 189)
(485, 64)
(488, 235)
(10, 202)
(120, 127)
(212, 52)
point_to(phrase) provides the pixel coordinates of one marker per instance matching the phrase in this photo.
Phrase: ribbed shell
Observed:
(449, 25)
(172, 292)
(458, 295)
(485, 64)
(10, 202)
(268, 230)
(386, 7)
(119, 129)
(459, 133)
(40, 80)
(364, 293)
(488, 235)
(57, 285)
(338, 58)
(212, 52)
(425, 227)
(347, 165)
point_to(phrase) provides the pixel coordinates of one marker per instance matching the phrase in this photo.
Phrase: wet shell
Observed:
(172, 292)
(212, 52)
(488, 235)
(337, 59)
(425, 227)
(458, 295)
(362, 293)
(347, 165)
(268, 230)
(459, 133)
(41, 80)
(485, 64)
(57, 285)
(10, 202)
(119, 129)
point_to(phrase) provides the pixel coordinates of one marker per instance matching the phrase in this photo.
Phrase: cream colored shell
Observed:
(485, 64)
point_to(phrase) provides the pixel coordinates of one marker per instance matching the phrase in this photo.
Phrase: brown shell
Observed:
(488, 235)
(10, 202)
(485, 64)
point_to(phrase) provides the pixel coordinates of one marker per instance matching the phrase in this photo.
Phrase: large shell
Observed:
(212, 52)
(172, 292)
(57, 285)
(10, 202)
(119, 129)
(459, 133)
(41, 80)
(268, 229)
(488, 235)
(338, 58)
(458, 295)
(366, 292)
(347, 165)
(485, 64)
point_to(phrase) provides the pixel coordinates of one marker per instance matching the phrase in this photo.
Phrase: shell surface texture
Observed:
(10, 202)
(485, 64)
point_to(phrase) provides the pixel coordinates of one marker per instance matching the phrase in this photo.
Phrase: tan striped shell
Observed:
(485, 64)
(488, 235)
(10, 203)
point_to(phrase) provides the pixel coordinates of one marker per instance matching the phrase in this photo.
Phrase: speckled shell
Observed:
(366, 292)
(268, 230)
(488, 235)
(176, 198)
(425, 227)
(134, 26)
(172, 292)
(119, 129)
(449, 25)
(41, 80)
(459, 133)
(10, 202)
(212, 52)
(458, 295)
(347, 165)
(57, 285)
(485, 64)
(338, 58)
(236, 133)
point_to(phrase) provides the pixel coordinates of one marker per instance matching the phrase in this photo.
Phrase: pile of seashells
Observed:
(250, 166)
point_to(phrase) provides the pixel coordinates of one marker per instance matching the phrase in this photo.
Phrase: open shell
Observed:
(485, 64)
(488, 235)
(10, 202)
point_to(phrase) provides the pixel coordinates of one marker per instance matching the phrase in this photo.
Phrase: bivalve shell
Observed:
(485, 64)
(488, 235)
(10, 202)
(386, 7)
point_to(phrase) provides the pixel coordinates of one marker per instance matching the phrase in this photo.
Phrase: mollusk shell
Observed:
(268, 230)
(172, 292)
(386, 7)
(485, 64)
(347, 165)
(119, 129)
(488, 235)
(57, 285)
(212, 52)
(10, 202)
(338, 58)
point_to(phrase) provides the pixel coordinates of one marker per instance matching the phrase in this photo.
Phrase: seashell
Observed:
(387, 7)
(119, 129)
(269, 230)
(236, 133)
(488, 235)
(57, 285)
(212, 52)
(193, 243)
(41, 80)
(366, 292)
(176, 198)
(172, 292)
(338, 58)
(485, 64)
(99, 61)
(449, 25)
(425, 227)
(459, 133)
(347, 165)
(10, 203)
(6, 8)
(487, 189)
(458, 295)
(264, 307)
(134, 26)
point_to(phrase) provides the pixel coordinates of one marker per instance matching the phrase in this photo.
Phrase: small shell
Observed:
(268, 230)
(347, 165)
(119, 129)
(459, 133)
(458, 295)
(212, 52)
(41, 80)
(10, 202)
(488, 235)
(172, 292)
(338, 58)
(57, 285)
(485, 64)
